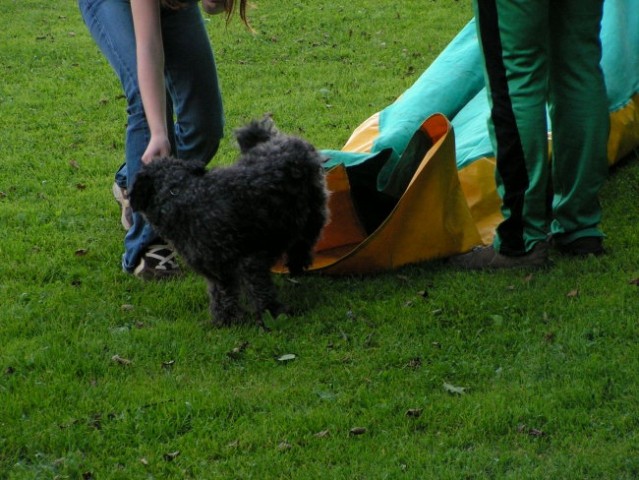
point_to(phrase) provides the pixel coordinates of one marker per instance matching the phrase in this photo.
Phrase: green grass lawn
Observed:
(420, 373)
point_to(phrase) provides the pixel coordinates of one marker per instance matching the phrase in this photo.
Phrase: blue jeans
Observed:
(194, 103)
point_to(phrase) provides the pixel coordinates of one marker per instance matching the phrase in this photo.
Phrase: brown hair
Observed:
(229, 7)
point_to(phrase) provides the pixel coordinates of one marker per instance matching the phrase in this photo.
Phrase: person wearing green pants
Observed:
(542, 59)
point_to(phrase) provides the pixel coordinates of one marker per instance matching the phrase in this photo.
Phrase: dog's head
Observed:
(159, 180)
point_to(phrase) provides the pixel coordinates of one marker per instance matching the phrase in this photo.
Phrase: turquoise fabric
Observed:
(620, 40)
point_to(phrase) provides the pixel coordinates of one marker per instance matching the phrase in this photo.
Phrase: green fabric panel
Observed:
(620, 60)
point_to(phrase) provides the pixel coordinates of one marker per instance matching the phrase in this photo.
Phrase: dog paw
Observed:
(260, 323)
(278, 309)
(219, 323)
(226, 320)
(298, 265)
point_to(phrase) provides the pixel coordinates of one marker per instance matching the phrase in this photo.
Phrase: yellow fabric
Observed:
(362, 139)
(624, 131)
(478, 184)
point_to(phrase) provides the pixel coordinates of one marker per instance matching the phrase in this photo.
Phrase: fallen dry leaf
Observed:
(169, 457)
(284, 446)
(573, 293)
(237, 351)
(121, 360)
(287, 357)
(414, 412)
(533, 432)
(452, 389)
(414, 363)
(357, 431)
(322, 434)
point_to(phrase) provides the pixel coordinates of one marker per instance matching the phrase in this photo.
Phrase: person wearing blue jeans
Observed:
(162, 56)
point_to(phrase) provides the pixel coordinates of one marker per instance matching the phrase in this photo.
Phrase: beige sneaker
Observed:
(122, 197)
(158, 263)
(482, 258)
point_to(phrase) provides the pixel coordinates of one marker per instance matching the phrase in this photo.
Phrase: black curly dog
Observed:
(232, 224)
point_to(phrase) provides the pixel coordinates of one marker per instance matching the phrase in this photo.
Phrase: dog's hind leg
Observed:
(224, 298)
(260, 289)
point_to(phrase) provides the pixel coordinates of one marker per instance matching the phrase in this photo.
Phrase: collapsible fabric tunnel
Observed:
(405, 189)
(419, 212)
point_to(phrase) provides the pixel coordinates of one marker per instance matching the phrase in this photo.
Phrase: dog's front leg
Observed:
(299, 255)
(261, 290)
(224, 302)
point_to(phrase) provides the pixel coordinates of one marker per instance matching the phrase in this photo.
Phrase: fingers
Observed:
(156, 148)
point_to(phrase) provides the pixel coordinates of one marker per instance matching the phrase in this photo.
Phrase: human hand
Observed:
(158, 147)
(213, 7)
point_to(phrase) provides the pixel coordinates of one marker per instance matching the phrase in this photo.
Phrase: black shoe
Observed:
(582, 247)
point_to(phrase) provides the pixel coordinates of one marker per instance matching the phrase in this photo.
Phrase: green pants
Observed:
(542, 61)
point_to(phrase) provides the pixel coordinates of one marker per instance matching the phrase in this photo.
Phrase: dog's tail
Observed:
(256, 132)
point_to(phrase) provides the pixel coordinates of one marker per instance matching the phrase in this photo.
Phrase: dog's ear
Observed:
(142, 191)
(255, 133)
